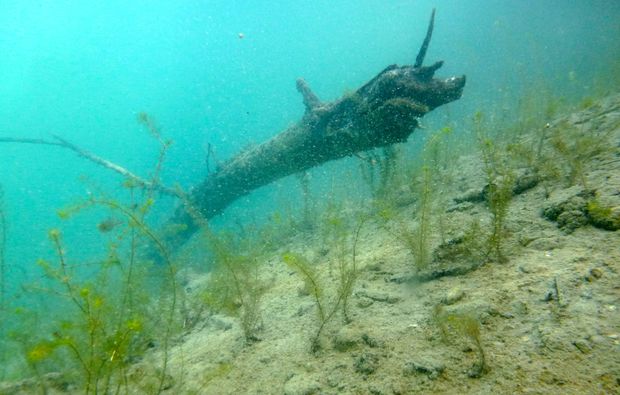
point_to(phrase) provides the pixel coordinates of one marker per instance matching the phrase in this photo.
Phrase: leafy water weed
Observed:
(328, 301)
(455, 325)
(106, 318)
(576, 149)
(427, 176)
(379, 170)
(235, 286)
(500, 179)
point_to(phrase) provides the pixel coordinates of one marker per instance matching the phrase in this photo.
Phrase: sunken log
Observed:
(382, 112)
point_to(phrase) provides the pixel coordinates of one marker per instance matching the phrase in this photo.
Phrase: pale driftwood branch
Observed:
(28, 141)
(61, 142)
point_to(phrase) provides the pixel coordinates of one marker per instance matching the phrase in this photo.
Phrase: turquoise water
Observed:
(223, 73)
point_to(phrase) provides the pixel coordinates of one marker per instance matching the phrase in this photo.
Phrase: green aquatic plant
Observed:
(336, 235)
(586, 102)
(434, 171)
(97, 337)
(427, 176)
(106, 317)
(136, 221)
(522, 137)
(347, 271)
(278, 229)
(308, 213)
(334, 228)
(439, 155)
(416, 239)
(379, 170)
(536, 164)
(149, 123)
(235, 286)
(536, 107)
(21, 345)
(603, 216)
(457, 325)
(315, 285)
(439, 159)
(499, 197)
(421, 235)
(500, 181)
(467, 248)
(220, 370)
(576, 149)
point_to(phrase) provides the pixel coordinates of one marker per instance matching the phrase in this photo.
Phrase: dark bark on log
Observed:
(382, 112)
(427, 40)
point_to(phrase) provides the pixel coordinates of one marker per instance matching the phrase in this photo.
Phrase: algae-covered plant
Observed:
(500, 181)
(576, 149)
(426, 178)
(328, 300)
(327, 305)
(462, 325)
(379, 172)
(107, 323)
(603, 216)
(96, 319)
(421, 248)
(234, 286)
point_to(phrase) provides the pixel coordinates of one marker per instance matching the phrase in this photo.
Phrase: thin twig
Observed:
(61, 142)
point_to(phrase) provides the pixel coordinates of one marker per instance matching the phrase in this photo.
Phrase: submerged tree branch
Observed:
(61, 142)
(384, 111)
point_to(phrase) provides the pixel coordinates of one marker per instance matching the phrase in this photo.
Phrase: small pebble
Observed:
(430, 367)
(453, 296)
